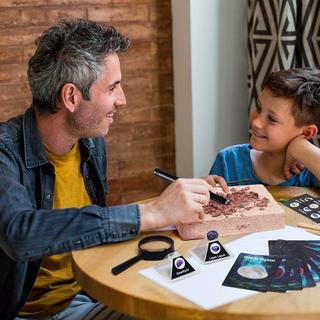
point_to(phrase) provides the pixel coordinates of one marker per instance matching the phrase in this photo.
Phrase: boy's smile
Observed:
(257, 134)
(272, 123)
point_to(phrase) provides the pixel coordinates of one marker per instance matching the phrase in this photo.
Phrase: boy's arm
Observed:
(303, 151)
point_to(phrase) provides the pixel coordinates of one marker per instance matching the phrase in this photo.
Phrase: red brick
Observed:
(19, 35)
(143, 131)
(10, 17)
(147, 149)
(140, 1)
(112, 136)
(134, 168)
(133, 64)
(78, 2)
(136, 100)
(140, 47)
(22, 3)
(133, 115)
(163, 113)
(57, 14)
(143, 182)
(33, 17)
(136, 83)
(163, 81)
(158, 60)
(132, 189)
(10, 55)
(162, 98)
(126, 183)
(163, 51)
(11, 92)
(144, 99)
(112, 170)
(138, 30)
(160, 12)
(12, 108)
(13, 73)
(134, 13)
(28, 51)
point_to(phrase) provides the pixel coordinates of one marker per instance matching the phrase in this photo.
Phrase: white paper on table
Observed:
(205, 288)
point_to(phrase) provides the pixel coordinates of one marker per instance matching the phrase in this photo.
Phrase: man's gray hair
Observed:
(72, 51)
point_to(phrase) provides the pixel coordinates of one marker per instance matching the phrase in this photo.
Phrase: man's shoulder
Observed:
(11, 130)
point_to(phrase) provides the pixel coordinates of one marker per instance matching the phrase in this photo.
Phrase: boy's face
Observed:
(272, 123)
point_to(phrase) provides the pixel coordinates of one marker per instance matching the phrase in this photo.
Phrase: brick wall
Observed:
(142, 136)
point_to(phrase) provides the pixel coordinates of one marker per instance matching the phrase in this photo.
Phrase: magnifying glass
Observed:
(150, 248)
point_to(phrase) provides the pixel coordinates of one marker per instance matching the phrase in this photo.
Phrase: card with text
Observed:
(306, 205)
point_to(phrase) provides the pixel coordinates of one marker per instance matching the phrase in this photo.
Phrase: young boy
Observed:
(284, 120)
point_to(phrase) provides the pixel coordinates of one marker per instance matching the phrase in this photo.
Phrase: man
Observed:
(52, 175)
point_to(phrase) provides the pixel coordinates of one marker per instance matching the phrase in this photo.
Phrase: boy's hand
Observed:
(292, 165)
(296, 168)
(214, 181)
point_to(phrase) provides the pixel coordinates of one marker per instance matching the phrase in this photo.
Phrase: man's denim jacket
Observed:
(30, 228)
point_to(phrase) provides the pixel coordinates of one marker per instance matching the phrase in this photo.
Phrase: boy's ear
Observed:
(70, 96)
(310, 131)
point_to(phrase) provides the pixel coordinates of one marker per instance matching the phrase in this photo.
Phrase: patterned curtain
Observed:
(282, 34)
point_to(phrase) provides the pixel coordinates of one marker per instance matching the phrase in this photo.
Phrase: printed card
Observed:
(306, 205)
(280, 276)
(308, 270)
(252, 272)
(295, 280)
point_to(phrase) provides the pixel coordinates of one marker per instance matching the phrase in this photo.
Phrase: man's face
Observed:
(272, 123)
(93, 118)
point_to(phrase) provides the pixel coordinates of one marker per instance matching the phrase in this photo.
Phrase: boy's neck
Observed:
(268, 167)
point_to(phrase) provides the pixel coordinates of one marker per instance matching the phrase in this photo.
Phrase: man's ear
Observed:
(70, 96)
(310, 131)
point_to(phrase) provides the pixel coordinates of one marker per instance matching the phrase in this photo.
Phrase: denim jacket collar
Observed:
(35, 154)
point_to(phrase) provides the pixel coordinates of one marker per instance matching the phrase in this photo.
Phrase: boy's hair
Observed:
(303, 87)
(71, 51)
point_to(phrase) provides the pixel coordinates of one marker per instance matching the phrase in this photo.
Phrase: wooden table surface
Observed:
(132, 293)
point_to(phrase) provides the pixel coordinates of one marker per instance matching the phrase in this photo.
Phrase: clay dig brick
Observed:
(252, 209)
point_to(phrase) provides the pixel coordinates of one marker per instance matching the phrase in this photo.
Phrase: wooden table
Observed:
(136, 295)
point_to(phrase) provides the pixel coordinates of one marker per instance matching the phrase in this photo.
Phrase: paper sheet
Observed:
(205, 288)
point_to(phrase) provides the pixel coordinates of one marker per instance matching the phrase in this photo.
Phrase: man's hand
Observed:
(182, 200)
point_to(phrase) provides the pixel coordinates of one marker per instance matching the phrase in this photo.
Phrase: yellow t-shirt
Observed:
(55, 285)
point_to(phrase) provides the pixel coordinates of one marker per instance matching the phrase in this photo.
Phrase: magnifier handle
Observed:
(125, 265)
